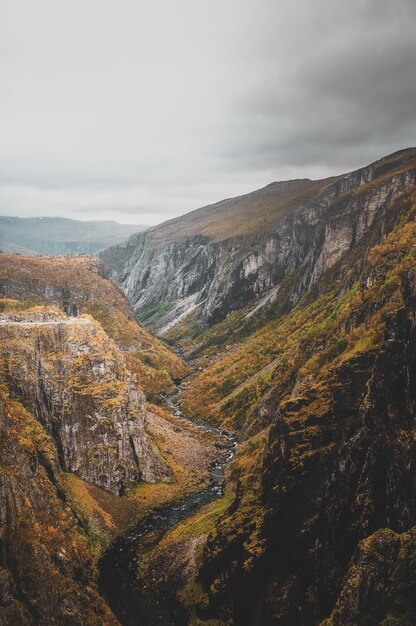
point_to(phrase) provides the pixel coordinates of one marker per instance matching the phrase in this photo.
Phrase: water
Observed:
(118, 567)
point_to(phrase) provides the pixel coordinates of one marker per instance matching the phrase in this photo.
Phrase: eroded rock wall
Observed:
(165, 280)
(73, 378)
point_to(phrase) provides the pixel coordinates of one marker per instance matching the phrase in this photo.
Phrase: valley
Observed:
(224, 433)
(133, 599)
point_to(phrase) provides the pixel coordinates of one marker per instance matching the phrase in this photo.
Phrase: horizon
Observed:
(144, 120)
(147, 226)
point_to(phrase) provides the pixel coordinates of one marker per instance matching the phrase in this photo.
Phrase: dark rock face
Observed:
(339, 489)
(47, 574)
(379, 587)
(167, 280)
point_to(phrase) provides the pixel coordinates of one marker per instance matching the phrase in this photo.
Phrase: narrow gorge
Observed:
(214, 422)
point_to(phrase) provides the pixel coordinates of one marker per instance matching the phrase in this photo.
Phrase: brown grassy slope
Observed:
(254, 212)
(258, 211)
(84, 281)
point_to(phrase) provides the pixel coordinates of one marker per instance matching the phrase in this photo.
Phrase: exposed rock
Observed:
(380, 582)
(47, 574)
(83, 285)
(339, 486)
(74, 379)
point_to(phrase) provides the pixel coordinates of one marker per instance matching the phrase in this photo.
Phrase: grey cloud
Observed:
(140, 111)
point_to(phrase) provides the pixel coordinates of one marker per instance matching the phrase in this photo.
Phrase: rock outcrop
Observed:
(82, 285)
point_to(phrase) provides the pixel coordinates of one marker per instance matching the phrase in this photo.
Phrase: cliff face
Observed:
(72, 377)
(193, 267)
(76, 433)
(317, 377)
(82, 377)
(365, 483)
(47, 574)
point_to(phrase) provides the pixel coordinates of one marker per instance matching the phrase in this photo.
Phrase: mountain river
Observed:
(119, 565)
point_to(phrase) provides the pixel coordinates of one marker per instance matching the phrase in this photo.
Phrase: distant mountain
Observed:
(60, 236)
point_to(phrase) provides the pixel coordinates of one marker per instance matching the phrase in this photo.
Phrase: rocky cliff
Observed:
(76, 433)
(357, 481)
(316, 375)
(71, 376)
(336, 500)
(220, 258)
(47, 574)
(82, 285)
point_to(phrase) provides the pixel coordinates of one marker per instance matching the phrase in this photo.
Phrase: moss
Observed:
(203, 522)
(157, 311)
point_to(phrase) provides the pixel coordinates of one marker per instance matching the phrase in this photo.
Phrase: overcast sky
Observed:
(143, 110)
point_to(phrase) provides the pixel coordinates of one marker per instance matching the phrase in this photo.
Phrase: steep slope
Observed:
(323, 517)
(47, 574)
(57, 235)
(203, 265)
(317, 376)
(83, 456)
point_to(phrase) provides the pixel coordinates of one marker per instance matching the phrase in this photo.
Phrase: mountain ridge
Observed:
(194, 275)
(59, 235)
(302, 341)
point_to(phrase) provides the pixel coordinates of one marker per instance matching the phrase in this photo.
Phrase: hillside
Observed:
(273, 483)
(245, 215)
(323, 525)
(195, 270)
(58, 235)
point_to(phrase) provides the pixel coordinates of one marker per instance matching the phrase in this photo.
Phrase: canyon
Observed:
(214, 422)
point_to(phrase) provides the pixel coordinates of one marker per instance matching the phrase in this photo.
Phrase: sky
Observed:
(140, 111)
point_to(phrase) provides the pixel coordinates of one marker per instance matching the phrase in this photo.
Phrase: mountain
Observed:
(302, 332)
(220, 258)
(58, 236)
(84, 282)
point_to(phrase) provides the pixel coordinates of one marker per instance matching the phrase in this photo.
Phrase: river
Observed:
(119, 582)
